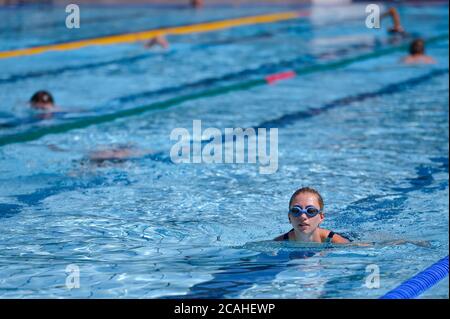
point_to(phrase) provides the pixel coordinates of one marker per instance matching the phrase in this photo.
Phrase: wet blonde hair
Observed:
(307, 190)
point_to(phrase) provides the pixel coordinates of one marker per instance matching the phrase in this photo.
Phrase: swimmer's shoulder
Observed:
(424, 59)
(428, 60)
(332, 237)
(285, 236)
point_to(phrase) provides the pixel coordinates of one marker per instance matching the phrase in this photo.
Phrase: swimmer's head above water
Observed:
(417, 47)
(305, 215)
(42, 100)
(417, 53)
(309, 201)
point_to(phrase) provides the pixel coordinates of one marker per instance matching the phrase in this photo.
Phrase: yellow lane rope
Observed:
(145, 35)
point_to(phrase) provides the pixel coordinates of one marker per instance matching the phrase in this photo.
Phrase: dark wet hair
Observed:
(417, 47)
(307, 190)
(196, 3)
(41, 97)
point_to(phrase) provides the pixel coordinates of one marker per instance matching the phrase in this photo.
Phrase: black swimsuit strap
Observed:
(286, 236)
(329, 237)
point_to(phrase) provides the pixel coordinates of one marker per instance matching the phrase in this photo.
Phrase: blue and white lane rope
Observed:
(421, 282)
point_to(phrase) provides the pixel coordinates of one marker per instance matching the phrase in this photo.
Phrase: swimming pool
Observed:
(371, 135)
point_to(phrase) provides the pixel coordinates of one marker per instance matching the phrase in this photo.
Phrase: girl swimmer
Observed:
(306, 215)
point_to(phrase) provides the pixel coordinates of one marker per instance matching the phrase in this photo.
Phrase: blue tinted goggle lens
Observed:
(309, 211)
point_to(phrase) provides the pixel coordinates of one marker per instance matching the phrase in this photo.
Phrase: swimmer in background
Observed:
(397, 33)
(42, 100)
(397, 28)
(417, 46)
(197, 4)
(116, 154)
(104, 156)
(159, 40)
(417, 54)
(305, 215)
(43, 104)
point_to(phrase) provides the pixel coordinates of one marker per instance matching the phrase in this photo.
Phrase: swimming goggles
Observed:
(310, 211)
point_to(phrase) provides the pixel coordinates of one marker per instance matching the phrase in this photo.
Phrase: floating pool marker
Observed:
(280, 76)
(421, 282)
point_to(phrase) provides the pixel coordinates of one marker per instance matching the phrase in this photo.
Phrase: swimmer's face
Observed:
(304, 223)
(42, 100)
(417, 47)
(42, 106)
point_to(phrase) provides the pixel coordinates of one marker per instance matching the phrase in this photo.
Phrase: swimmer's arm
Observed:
(405, 59)
(338, 239)
(396, 19)
(143, 152)
(56, 148)
(425, 60)
(430, 60)
(421, 243)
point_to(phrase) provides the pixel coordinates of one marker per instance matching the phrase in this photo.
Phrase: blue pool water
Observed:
(375, 144)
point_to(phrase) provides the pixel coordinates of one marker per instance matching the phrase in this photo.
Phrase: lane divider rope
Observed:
(421, 282)
(146, 35)
(100, 119)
